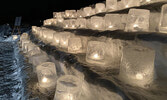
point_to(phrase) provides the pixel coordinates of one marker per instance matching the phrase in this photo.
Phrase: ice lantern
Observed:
(35, 51)
(48, 35)
(77, 44)
(96, 52)
(47, 22)
(112, 21)
(28, 47)
(24, 36)
(137, 65)
(100, 7)
(97, 23)
(130, 3)
(81, 23)
(163, 19)
(137, 20)
(70, 14)
(80, 13)
(111, 5)
(23, 43)
(72, 23)
(66, 23)
(68, 88)
(56, 39)
(64, 37)
(58, 14)
(46, 73)
(87, 11)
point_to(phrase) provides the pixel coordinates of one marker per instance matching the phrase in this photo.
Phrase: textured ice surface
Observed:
(137, 65)
(38, 59)
(138, 20)
(68, 88)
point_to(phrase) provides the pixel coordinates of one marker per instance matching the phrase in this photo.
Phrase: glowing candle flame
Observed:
(57, 41)
(66, 26)
(100, 11)
(15, 37)
(64, 42)
(96, 26)
(126, 6)
(139, 76)
(96, 56)
(135, 25)
(110, 26)
(60, 20)
(44, 80)
(148, 0)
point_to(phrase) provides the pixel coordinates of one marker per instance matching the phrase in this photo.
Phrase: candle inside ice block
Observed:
(112, 21)
(95, 52)
(138, 20)
(46, 73)
(74, 45)
(87, 11)
(137, 65)
(100, 7)
(64, 37)
(96, 56)
(72, 23)
(80, 13)
(97, 23)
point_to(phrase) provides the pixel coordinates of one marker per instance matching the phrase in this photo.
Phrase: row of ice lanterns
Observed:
(95, 50)
(103, 54)
(67, 86)
(110, 5)
(136, 20)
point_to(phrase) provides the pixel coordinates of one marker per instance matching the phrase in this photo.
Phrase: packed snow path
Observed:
(11, 87)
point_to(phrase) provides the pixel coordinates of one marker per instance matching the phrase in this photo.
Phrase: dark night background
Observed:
(34, 12)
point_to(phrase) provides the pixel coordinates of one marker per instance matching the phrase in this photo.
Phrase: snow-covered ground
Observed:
(11, 68)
